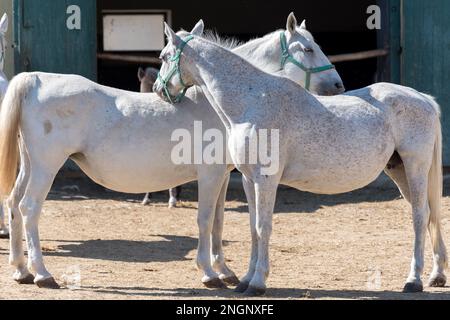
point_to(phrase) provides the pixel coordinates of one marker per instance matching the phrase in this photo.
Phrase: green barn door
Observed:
(425, 58)
(57, 36)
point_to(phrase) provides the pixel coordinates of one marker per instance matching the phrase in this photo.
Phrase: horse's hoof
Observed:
(254, 292)
(172, 205)
(29, 279)
(4, 235)
(242, 287)
(412, 287)
(438, 281)
(231, 281)
(48, 283)
(145, 202)
(215, 284)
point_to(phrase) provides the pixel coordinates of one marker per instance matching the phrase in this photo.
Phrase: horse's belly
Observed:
(331, 184)
(339, 174)
(135, 174)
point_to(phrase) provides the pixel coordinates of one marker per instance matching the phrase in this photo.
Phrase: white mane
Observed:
(225, 42)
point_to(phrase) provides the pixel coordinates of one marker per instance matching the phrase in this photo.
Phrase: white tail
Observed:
(435, 187)
(10, 115)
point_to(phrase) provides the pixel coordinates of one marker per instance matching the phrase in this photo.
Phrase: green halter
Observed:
(287, 57)
(175, 70)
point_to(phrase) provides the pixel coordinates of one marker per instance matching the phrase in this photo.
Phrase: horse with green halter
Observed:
(287, 57)
(175, 70)
(313, 139)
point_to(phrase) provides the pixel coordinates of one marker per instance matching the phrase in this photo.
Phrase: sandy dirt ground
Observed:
(105, 245)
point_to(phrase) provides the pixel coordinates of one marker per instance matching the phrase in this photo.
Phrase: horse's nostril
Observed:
(338, 85)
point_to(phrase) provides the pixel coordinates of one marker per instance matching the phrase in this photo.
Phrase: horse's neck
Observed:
(264, 53)
(228, 81)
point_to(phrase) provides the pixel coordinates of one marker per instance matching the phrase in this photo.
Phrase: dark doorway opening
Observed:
(337, 27)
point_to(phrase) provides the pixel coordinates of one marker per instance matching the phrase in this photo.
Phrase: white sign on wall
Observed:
(133, 32)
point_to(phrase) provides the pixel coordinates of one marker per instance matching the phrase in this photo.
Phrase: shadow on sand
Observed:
(170, 248)
(272, 293)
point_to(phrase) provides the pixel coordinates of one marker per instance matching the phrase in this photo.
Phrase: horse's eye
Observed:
(309, 50)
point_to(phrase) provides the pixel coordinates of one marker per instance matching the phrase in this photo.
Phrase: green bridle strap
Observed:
(287, 57)
(175, 70)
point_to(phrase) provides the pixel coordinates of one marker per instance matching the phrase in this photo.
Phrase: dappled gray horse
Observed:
(325, 145)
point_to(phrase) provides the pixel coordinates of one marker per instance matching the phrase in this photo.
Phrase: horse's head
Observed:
(303, 61)
(3, 29)
(172, 81)
(147, 78)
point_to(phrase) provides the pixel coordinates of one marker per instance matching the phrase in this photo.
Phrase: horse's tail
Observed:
(10, 116)
(435, 188)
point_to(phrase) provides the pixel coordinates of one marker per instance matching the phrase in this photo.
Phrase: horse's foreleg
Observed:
(265, 195)
(218, 258)
(209, 187)
(249, 189)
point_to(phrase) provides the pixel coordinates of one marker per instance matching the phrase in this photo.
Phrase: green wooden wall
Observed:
(44, 43)
(425, 57)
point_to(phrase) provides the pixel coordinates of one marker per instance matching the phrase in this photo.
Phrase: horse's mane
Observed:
(225, 42)
(231, 43)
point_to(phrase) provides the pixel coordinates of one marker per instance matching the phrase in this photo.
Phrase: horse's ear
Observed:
(291, 23)
(198, 29)
(4, 24)
(141, 74)
(303, 25)
(171, 35)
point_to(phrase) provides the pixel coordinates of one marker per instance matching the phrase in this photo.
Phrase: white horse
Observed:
(4, 232)
(122, 141)
(327, 145)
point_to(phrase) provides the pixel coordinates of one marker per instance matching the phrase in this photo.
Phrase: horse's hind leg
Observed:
(396, 171)
(17, 258)
(218, 258)
(417, 169)
(30, 206)
(43, 167)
